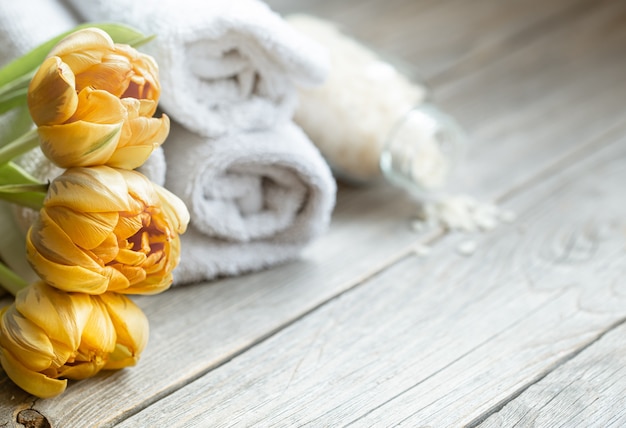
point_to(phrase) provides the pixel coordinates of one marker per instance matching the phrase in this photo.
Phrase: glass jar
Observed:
(422, 151)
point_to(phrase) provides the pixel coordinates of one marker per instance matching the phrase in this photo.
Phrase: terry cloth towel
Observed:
(225, 66)
(256, 199)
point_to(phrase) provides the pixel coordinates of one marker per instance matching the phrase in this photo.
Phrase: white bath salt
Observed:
(350, 116)
(508, 216)
(421, 250)
(462, 213)
(467, 248)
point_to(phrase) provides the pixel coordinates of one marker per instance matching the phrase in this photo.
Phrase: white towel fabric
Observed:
(25, 24)
(225, 66)
(256, 199)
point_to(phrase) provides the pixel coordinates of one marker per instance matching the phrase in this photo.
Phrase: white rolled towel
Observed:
(256, 199)
(225, 66)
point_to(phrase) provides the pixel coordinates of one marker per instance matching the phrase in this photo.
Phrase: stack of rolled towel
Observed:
(257, 189)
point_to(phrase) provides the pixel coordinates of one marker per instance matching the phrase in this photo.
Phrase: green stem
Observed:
(11, 281)
(20, 145)
(27, 195)
(14, 92)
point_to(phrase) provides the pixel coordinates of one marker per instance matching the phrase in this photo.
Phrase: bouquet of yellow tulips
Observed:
(103, 230)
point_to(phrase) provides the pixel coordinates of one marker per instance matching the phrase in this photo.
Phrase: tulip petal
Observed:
(46, 237)
(127, 226)
(132, 328)
(62, 316)
(30, 381)
(87, 230)
(112, 75)
(52, 95)
(83, 48)
(83, 370)
(108, 250)
(99, 107)
(23, 338)
(99, 333)
(67, 278)
(131, 157)
(95, 189)
(79, 143)
(140, 188)
(174, 209)
(117, 281)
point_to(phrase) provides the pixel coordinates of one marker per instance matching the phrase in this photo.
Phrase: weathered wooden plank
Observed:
(440, 341)
(197, 328)
(589, 390)
(430, 37)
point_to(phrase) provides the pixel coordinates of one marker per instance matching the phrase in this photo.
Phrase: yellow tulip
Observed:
(93, 102)
(105, 229)
(48, 336)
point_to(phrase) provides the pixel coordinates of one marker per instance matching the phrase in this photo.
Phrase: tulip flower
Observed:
(48, 336)
(105, 229)
(93, 102)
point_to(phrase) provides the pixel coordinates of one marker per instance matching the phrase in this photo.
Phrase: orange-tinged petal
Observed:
(84, 370)
(131, 326)
(21, 337)
(174, 209)
(131, 157)
(99, 107)
(67, 278)
(79, 143)
(83, 48)
(117, 281)
(87, 230)
(145, 82)
(94, 189)
(52, 95)
(148, 130)
(99, 333)
(140, 188)
(47, 238)
(112, 75)
(30, 381)
(107, 251)
(128, 226)
(151, 285)
(129, 257)
(61, 315)
(135, 274)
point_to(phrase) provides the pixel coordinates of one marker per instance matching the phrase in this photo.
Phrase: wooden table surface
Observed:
(528, 331)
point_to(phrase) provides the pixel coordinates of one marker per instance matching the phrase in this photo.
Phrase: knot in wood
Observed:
(32, 419)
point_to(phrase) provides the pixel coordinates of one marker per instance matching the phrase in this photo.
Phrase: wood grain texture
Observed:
(589, 391)
(440, 341)
(436, 37)
(540, 101)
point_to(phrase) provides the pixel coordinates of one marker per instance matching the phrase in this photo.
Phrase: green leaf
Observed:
(19, 146)
(30, 61)
(13, 124)
(11, 173)
(11, 281)
(28, 195)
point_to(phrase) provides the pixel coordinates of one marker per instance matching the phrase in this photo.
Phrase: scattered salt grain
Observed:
(421, 250)
(467, 248)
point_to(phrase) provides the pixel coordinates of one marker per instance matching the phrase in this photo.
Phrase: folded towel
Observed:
(256, 199)
(26, 24)
(225, 66)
